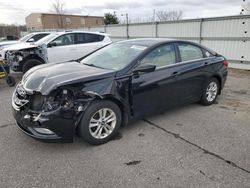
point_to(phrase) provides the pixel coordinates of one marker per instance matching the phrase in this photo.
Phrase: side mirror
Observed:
(144, 68)
(52, 44)
(31, 40)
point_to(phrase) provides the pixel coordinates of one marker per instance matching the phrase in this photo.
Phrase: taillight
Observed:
(225, 62)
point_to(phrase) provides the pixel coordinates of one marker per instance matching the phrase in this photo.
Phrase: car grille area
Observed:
(22, 98)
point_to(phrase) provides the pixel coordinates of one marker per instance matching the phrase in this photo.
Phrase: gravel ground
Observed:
(193, 146)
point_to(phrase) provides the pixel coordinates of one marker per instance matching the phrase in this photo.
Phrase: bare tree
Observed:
(11, 30)
(58, 8)
(167, 16)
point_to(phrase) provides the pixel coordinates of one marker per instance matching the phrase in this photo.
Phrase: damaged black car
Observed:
(126, 80)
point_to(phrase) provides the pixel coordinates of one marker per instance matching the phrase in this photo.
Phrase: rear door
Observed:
(64, 50)
(87, 43)
(191, 72)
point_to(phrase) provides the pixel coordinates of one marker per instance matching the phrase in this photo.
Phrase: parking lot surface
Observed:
(192, 146)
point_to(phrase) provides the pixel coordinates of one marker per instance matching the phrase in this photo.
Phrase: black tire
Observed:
(30, 63)
(204, 98)
(83, 127)
(10, 81)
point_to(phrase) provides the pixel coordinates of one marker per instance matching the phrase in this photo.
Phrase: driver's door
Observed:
(63, 49)
(155, 91)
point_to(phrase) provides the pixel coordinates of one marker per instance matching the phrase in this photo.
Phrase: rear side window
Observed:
(38, 36)
(190, 52)
(207, 53)
(82, 38)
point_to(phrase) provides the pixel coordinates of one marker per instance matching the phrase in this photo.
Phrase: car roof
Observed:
(35, 33)
(147, 41)
(90, 32)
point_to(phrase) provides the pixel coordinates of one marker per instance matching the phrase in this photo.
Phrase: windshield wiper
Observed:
(92, 65)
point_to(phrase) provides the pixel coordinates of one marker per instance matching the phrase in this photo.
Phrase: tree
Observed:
(167, 16)
(58, 8)
(11, 30)
(110, 19)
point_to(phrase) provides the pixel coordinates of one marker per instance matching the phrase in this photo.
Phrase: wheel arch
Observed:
(124, 111)
(32, 56)
(218, 77)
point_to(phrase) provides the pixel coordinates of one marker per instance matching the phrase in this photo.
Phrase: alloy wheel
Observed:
(211, 91)
(102, 123)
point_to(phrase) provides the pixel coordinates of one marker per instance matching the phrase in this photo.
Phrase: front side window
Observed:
(64, 40)
(161, 56)
(189, 52)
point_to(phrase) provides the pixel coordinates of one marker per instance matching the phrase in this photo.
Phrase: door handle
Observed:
(206, 63)
(175, 73)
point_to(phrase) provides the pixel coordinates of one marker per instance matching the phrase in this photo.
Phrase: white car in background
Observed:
(55, 48)
(32, 37)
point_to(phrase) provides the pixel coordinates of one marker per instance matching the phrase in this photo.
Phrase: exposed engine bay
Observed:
(67, 101)
(16, 58)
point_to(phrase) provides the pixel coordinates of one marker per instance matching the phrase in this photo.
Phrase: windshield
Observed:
(115, 56)
(26, 37)
(47, 38)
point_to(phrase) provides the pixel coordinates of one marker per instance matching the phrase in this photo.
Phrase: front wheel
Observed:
(100, 122)
(210, 92)
(31, 63)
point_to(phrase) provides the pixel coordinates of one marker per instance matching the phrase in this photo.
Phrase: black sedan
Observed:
(106, 89)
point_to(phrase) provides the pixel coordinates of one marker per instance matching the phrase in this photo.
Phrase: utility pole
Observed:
(154, 23)
(126, 23)
(154, 15)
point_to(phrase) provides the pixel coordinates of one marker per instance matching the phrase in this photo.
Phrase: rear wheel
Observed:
(210, 92)
(100, 122)
(31, 63)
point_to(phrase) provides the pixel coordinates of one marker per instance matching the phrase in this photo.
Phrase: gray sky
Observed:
(15, 11)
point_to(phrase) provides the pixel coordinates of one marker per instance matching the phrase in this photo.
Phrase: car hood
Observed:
(3, 43)
(20, 46)
(46, 78)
